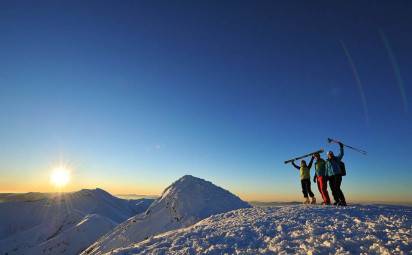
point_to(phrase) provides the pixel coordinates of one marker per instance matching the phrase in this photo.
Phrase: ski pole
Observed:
(304, 156)
(330, 140)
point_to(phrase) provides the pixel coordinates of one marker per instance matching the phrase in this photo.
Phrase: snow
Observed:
(82, 234)
(182, 204)
(38, 224)
(293, 229)
(194, 216)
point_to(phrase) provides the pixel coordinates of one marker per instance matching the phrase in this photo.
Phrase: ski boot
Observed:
(342, 203)
(313, 201)
(306, 201)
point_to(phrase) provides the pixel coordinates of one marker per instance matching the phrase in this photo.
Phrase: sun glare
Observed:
(60, 177)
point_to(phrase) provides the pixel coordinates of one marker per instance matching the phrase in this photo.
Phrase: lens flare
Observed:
(396, 70)
(358, 81)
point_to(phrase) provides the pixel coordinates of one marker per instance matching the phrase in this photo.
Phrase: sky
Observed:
(132, 95)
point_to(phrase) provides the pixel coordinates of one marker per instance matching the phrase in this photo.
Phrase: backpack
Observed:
(342, 168)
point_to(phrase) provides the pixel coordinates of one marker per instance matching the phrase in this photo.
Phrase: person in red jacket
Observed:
(321, 178)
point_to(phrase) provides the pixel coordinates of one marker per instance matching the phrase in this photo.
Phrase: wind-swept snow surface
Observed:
(290, 230)
(61, 223)
(182, 204)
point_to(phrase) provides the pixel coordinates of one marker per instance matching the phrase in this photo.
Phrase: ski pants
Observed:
(306, 188)
(322, 182)
(334, 184)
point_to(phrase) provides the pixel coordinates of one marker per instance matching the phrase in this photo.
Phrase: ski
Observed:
(304, 156)
(330, 140)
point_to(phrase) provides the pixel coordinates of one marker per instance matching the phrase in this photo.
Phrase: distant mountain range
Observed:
(66, 223)
(136, 196)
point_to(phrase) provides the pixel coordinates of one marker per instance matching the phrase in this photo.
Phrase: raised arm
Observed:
(311, 162)
(296, 166)
(340, 156)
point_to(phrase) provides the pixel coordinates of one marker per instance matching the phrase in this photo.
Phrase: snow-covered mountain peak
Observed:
(196, 198)
(189, 178)
(183, 203)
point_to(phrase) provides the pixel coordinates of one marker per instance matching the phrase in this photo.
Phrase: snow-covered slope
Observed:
(182, 204)
(290, 230)
(70, 221)
(76, 238)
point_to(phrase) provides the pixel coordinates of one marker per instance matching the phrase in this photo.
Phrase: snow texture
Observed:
(293, 229)
(63, 224)
(182, 204)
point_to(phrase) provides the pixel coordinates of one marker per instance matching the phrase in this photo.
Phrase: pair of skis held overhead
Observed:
(321, 150)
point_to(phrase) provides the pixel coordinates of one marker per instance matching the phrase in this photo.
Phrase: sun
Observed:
(60, 177)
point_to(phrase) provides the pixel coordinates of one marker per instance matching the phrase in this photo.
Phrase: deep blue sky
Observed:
(134, 94)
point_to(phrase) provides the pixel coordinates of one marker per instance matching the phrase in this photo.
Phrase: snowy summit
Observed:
(290, 229)
(182, 204)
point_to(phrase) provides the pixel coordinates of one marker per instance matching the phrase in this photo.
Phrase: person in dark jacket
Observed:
(335, 176)
(305, 180)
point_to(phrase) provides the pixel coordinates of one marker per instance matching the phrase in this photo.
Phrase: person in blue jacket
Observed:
(334, 173)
